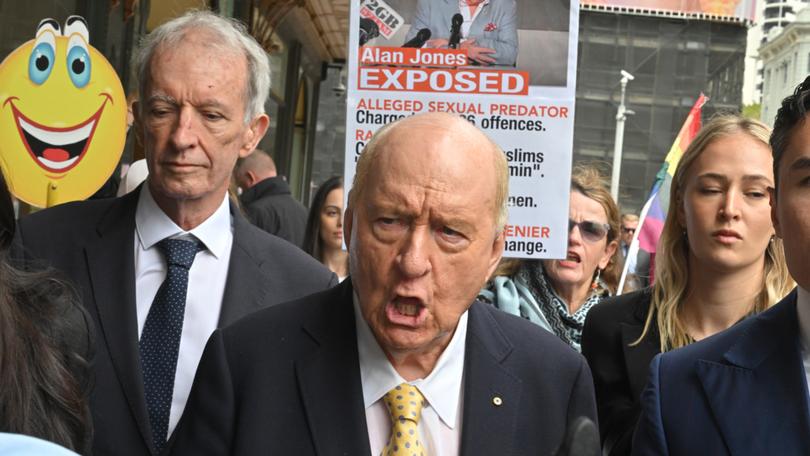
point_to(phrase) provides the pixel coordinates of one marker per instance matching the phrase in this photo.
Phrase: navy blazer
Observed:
(93, 242)
(740, 392)
(286, 381)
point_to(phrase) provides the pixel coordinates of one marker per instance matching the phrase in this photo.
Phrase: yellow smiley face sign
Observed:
(62, 116)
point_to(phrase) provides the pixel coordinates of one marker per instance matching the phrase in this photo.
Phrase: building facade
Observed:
(673, 60)
(785, 63)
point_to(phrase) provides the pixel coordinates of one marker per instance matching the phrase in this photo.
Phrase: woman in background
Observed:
(717, 262)
(45, 349)
(557, 294)
(324, 233)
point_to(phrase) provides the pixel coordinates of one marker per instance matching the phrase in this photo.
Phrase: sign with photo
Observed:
(507, 66)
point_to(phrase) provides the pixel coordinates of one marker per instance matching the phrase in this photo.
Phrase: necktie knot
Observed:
(405, 402)
(179, 252)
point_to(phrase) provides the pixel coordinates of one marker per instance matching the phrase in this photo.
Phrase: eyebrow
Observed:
(163, 98)
(210, 103)
(800, 164)
(747, 177)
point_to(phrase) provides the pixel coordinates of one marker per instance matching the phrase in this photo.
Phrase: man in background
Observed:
(267, 200)
(629, 225)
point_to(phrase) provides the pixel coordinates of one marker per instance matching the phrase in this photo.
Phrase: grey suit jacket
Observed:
(495, 27)
(93, 243)
(287, 382)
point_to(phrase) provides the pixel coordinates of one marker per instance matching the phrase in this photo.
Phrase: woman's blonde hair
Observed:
(671, 258)
(588, 180)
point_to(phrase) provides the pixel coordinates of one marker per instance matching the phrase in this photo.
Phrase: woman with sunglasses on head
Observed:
(717, 262)
(557, 294)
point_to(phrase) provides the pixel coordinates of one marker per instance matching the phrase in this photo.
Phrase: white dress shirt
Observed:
(206, 283)
(464, 8)
(803, 311)
(440, 424)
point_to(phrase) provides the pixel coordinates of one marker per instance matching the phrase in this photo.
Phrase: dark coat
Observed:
(740, 392)
(619, 369)
(270, 206)
(287, 382)
(93, 243)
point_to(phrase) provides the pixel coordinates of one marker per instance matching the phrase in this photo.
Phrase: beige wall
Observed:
(165, 10)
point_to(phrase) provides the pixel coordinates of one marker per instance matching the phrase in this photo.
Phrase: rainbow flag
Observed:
(654, 212)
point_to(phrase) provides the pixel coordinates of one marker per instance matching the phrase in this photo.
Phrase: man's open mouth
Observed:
(56, 149)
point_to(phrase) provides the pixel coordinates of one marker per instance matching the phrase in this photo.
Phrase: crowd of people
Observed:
(179, 320)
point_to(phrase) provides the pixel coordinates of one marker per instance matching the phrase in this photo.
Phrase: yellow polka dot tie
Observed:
(404, 404)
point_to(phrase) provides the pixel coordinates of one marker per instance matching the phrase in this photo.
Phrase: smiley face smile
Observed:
(54, 149)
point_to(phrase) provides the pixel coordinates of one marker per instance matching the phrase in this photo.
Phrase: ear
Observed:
(253, 134)
(495, 254)
(251, 179)
(610, 250)
(773, 197)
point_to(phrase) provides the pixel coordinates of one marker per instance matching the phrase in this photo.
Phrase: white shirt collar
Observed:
(441, 388)
(803, 311)
(152, 225)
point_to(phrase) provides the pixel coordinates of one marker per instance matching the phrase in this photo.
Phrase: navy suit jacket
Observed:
(93, 242)
(286, 381)
(740, 392)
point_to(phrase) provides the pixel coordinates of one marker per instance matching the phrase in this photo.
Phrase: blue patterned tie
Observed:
(160, 338)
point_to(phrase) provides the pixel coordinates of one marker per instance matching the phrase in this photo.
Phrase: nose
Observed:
(414, 257)
(730, 210)
(574, 236)
(340, 220)
(184, 134)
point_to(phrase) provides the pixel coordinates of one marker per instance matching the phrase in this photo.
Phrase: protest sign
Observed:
(507, 66)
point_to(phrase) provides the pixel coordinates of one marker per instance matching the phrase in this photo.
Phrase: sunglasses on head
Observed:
(590, 231)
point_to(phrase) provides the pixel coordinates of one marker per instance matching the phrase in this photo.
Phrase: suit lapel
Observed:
(759, 399)
(491, 393)
(246, 283)
(329, 380)
(110, 263)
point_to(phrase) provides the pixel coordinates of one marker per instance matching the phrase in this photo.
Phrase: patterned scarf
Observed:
(567, 326)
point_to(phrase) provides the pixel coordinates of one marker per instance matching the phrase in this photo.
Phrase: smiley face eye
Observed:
(40, 63)
(78, 62)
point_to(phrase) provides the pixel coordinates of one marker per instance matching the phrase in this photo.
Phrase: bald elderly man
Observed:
(399, 358)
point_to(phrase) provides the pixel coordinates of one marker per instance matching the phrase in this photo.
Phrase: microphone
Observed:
(419, 40)
(368, 30)
(455, 31)
(581, 439)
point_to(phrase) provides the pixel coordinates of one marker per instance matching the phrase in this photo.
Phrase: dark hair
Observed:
(312, 236)
(7, 222)
(45, 344)
(792, 112)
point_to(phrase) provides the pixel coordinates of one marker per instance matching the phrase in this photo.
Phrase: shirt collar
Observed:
(803, 313)
(152, 225)
(441, 388)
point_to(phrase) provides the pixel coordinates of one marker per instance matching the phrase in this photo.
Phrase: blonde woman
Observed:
(558, 294)
(718, 261)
